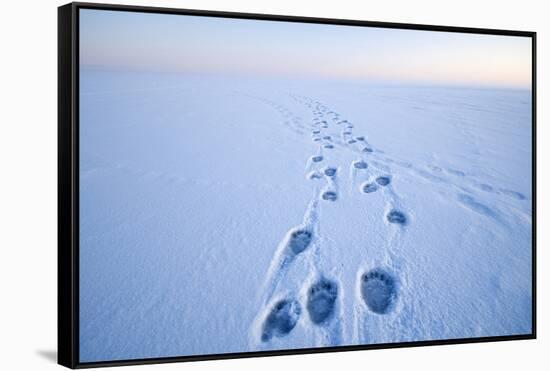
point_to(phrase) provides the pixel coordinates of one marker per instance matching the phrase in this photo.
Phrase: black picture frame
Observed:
(68, 181)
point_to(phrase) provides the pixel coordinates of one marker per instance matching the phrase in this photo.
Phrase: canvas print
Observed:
(254, 185)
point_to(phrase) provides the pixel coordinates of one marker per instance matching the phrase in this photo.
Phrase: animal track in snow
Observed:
(329, 196)
(435, 168)
(330, 171)
(476, 206)
(481, 186)
(360, 164)
(321, 300)
(378, 290)
(314, 175)
(485, 187)
(396, 217)
(514, 194)
(282, 318)
(383, 180)
(369, 187)
(299, 240)
(317, 158)
(455, 172)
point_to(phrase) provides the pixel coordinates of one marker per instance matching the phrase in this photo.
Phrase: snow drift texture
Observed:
(226, 215)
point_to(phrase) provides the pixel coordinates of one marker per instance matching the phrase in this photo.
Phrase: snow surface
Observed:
(206, 227)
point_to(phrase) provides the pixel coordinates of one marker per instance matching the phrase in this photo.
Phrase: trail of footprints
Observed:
(285, 313)
(378, 286)
(322, 120)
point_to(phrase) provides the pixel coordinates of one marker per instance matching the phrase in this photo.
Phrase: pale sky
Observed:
(192, 44)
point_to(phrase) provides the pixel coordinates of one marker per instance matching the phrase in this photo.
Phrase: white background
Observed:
(28, 181)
